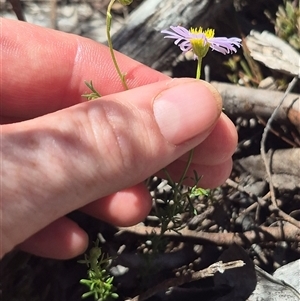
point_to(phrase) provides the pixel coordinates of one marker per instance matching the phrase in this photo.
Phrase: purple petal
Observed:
(171, 35)
(225, 45)
(178, 32)
(181, 37)
(181, 31)
(185, 46)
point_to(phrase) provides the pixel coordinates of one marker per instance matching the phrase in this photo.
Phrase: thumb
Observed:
(59, 162)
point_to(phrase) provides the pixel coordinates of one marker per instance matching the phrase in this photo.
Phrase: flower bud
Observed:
(125, 2)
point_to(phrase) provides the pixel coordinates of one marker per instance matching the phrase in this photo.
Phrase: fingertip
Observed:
(124, 208)
(219, 146)
(214, 176)
(186, 108)
(217, 96)
(62, 239)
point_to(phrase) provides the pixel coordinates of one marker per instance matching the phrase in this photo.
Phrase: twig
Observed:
(262, 202)
(53, 13)
(17, 8)
(287, 232)
(251, 102)
(177, 281)
(254, 205)
(264, 137)
(276, 133)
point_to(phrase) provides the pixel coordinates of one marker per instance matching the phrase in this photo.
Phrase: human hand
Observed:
(59, 153)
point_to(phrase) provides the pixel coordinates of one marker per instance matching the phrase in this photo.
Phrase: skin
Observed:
(60, 153)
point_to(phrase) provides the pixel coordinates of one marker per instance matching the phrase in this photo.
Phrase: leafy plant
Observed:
(287, 24)
(99, 281)
(94, 94)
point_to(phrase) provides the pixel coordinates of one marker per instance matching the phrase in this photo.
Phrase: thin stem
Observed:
(109, 41)
(168, 176)
(188, 164)
(177, 186)
(198, 74)
(267, 161)
(183, 176)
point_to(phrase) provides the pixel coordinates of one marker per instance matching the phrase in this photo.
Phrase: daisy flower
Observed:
(199, 41)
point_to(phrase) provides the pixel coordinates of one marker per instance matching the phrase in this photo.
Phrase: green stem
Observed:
(198, 74)
(188, 164)
(109, 41)
(177, 186)
(168, 176)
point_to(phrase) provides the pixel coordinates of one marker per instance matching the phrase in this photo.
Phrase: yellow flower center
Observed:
(209, 33)
(200, 44)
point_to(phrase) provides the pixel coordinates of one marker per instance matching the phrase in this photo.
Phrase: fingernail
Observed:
(186, 109)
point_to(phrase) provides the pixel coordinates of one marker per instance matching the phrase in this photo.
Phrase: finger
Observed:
(218, 147)
(124, 208)
(62, 239)
(48, 73)
(91, 150)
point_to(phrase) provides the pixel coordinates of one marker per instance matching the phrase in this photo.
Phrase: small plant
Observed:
(99, 281)
(180, 202)
(199, 41)
(244, 69)
(94, 94)
(287, 24)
